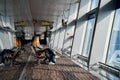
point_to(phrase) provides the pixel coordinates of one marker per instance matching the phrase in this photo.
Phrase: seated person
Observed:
(47, 55)
(50, 56)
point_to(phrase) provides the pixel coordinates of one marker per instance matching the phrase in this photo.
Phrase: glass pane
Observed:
(70, 28)
(2, 6)
(61, 38)
(1, 44)
(2, 10)
(113, 58)
(88, 37)
(66, 14)
(0, 21)
(94, 4)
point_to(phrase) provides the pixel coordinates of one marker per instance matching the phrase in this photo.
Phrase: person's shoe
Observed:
(1, 64)
(57, 56)
(51, 63)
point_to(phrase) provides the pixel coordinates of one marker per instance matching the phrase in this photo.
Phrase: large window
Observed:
(90, 27)
(69, 33)
(88, 37)
(113, 58)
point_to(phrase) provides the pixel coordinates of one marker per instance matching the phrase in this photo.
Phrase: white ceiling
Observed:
(27, 10)
(48, 9)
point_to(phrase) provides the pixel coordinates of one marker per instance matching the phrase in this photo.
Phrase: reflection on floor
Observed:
(98, 72)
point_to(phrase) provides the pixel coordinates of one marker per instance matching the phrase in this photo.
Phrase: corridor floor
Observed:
(27, 68)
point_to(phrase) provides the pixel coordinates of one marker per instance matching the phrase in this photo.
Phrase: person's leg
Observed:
(45, 59)
(52, 59)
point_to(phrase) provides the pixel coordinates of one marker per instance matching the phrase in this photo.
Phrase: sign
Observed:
(19, 24)
(35, 23)
(45, 23)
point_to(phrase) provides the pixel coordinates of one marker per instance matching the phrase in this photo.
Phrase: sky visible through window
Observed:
(113, 57)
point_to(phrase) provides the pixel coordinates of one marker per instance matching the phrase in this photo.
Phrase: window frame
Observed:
(111, 37)
(91, 12)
